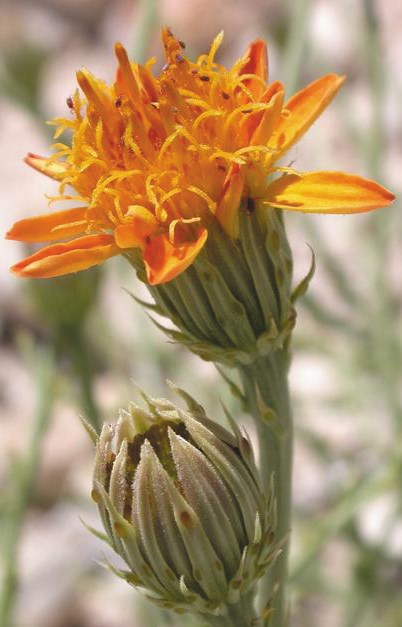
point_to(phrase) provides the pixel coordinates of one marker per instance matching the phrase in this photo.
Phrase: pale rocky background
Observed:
(349, 423)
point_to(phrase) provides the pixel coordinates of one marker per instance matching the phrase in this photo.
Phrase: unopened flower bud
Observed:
(181, 503)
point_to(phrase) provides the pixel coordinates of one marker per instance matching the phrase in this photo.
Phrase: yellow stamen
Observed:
(214, 48)
(204, 116)
(196, 190)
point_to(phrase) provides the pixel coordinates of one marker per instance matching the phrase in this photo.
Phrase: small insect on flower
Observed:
(156, 163)
(250, 205)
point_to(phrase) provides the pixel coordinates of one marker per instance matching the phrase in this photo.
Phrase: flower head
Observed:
(155, 162)
(181, 503)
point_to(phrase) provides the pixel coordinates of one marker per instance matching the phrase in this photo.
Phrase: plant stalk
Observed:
(83, 370)
(266, 390)
(240, 614)
(22, 484)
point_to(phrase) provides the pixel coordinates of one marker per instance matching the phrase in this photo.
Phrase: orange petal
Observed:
(134, 234)
(125, 73)
(257, 63)
(58, 259)
(51, 227)
(302, 110)
(268, 120)
(271, 90)
(227, 212)
(251, 121)
(164, 262)
(327, 192)
(55, 169)
(98, 95)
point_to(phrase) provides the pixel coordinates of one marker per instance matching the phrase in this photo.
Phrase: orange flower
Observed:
(155, 161)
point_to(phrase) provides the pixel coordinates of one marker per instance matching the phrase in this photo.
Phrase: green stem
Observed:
(23, 480)
(240, 614)
(83, 370)
(266, 390)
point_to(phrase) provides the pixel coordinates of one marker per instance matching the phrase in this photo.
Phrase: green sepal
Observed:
(260, 264)
(191, 403)
(95, 532)
(303, 286)
(278, 249)
(148, 306)
(230, 357)
(89, 429)
(234, 388)
(197, 304)
(229, 312)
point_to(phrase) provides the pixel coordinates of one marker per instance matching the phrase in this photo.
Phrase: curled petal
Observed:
(164, 261)
(54, 169)
(302, 110)
(135, 233)
(48, 228)
(59, 259)
(327, 192)
(271, 90)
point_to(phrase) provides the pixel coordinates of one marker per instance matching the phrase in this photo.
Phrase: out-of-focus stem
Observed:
(145, 23)
(83, 371)
(266, 390)
(296, 39)
(388, 349)
(22, 484)
(329, 526)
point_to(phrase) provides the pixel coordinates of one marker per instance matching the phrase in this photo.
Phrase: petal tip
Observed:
(390, 197)
(120, 51)
(29, 156)
(18, 269)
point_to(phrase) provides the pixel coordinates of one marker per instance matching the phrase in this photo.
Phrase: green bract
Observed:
(234, 304)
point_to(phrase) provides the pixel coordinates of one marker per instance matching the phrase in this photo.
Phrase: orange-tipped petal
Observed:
(54, 169)
(48, 228)
(302, 110)
(164, 262)
(59, 259)
(126, 73)
(327, 192)
(227, 212)
(257, 63)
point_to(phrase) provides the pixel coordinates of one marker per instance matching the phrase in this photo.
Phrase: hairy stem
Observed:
(266, 391)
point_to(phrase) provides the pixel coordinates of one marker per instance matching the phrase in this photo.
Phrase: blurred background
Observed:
(75, 346)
